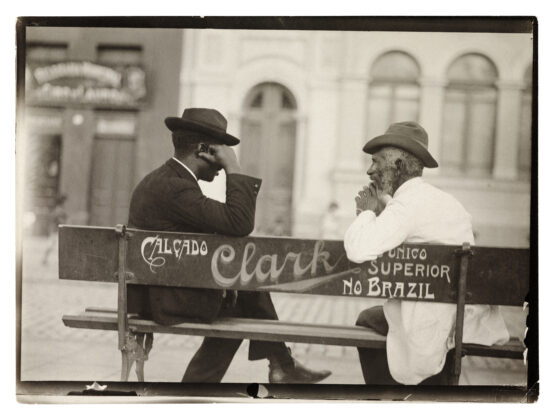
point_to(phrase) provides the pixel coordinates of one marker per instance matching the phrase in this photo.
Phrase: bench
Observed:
(434, 273)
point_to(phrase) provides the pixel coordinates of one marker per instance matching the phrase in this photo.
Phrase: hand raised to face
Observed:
(370, 198)
(222, 155)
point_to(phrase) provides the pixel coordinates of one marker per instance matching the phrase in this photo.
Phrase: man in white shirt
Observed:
(397, 207)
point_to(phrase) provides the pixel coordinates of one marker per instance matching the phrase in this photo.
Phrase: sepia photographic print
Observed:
(284, 208)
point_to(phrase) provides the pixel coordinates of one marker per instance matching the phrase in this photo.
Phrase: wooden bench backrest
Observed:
(498, 276)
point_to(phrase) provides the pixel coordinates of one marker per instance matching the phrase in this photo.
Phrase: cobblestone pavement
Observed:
(51, 351)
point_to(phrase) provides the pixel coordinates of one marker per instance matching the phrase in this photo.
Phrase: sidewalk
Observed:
(52, 352)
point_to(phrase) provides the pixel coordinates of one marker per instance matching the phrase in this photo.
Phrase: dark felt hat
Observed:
(409, 136)
(203, 120)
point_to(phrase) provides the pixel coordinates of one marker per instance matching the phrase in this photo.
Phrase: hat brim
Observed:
(402, 142)
(176, 124)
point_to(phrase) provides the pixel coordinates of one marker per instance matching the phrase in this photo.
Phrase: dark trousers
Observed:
(214, 356)
(374, 362)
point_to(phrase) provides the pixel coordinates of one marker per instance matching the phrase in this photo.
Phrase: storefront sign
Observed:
(85, 83)
(410, 271)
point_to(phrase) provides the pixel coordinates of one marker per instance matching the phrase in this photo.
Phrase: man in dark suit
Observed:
(170, 199)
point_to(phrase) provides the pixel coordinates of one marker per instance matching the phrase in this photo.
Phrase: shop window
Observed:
(42, 181)
(41, 166)
(393, 93)
(469, 117)
(525, 138)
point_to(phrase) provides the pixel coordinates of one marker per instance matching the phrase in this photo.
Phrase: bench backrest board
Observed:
(498, 276)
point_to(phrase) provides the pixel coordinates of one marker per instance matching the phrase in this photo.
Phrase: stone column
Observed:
(186, 77)
(352, 123)
(301, 162)
(431, 113)
(507, 130)
(233, 126)
(350, 169)
(300, 158)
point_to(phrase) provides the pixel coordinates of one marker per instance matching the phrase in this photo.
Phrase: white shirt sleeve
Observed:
(370, 236)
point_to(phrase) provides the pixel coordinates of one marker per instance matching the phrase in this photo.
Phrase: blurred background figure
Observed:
(58, 216)
(278, 228)
(29, 219)
(330, 223)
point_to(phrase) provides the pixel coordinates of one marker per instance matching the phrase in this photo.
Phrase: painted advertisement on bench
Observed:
(418, 272)
(411, 271)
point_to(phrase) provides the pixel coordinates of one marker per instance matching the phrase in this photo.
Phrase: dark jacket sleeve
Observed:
(235, 217)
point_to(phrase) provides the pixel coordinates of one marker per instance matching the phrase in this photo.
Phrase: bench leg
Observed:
(136, 349)
(126, 364)
(455, 371)
(453, 379)
(146, 341)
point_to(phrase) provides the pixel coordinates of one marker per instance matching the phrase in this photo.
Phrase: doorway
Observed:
(268, 138)
(112, 169)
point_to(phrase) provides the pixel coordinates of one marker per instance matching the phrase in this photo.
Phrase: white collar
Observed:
(186, 167)
(410, 183)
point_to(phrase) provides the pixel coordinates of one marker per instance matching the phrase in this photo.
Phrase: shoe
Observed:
(295, 373)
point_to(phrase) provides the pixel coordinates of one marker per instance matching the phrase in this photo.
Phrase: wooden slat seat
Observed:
(269, 330)
(253, 329)
(513, 349)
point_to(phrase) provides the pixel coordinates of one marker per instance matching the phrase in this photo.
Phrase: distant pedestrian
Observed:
(330, 226)
(278, 228)
(57, 216)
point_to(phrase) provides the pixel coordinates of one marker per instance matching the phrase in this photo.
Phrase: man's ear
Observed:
(399, 163)
(201, 147)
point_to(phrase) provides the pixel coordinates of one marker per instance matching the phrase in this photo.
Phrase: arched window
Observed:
(524, 155)
(393, 93)
(469, 116)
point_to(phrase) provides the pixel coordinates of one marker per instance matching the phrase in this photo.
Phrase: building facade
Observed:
(305, 102)
(95, 99)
